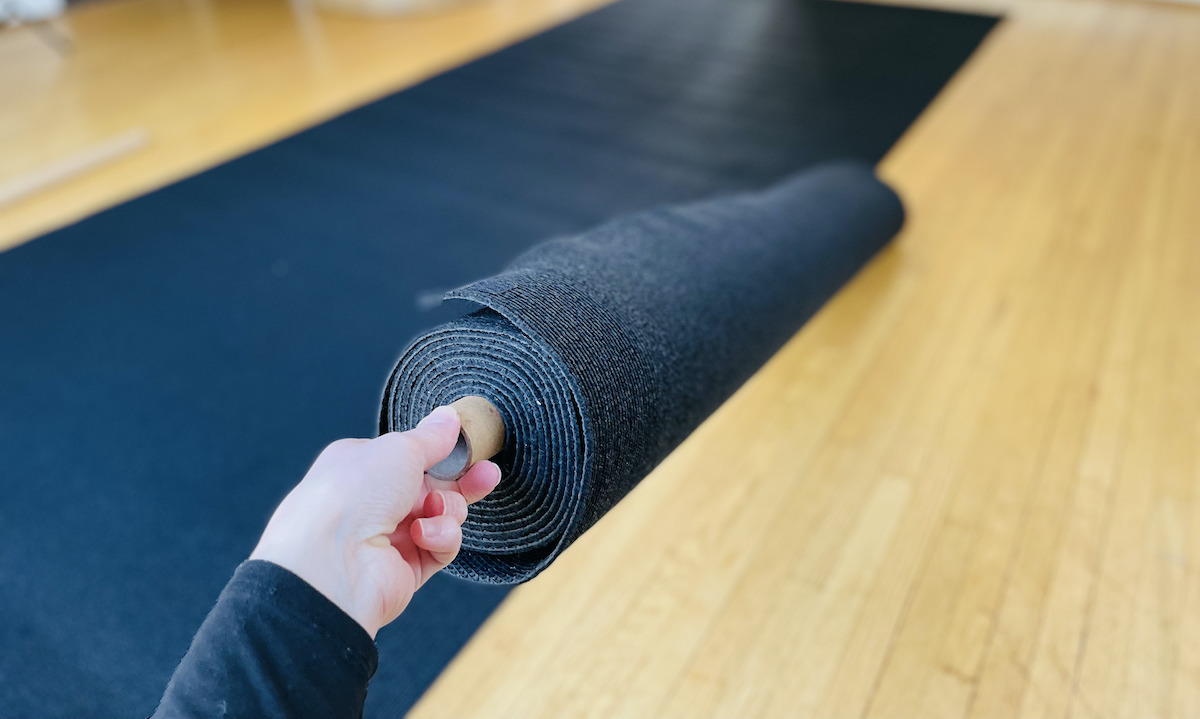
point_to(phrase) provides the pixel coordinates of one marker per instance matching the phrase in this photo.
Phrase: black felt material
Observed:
(272, 646)
(172, 366)
(604, 351)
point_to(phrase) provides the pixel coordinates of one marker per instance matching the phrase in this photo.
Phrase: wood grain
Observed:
(71, 166)
(968, 488)
(210, 80)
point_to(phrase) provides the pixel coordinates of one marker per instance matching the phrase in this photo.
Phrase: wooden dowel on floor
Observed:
(71, 166)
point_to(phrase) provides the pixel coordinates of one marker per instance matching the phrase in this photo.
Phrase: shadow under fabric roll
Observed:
(603, 351)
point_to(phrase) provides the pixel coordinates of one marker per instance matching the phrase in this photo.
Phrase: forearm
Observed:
(273, 646)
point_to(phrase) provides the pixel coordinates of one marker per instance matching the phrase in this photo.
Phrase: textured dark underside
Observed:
(171, 366)
(604, 351)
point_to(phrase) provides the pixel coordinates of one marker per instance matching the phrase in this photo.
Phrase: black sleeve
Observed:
(273, 646)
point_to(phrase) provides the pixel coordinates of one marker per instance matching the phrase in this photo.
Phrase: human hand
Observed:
(366, 527)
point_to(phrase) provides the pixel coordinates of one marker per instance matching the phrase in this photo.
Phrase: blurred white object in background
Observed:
(382, 7)
(14, 11)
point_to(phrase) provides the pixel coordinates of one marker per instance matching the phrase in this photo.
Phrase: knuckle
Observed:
(394, 442)
(341, 445)
(400, 438)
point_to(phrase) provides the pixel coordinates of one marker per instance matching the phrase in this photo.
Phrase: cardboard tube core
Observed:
(481, 437)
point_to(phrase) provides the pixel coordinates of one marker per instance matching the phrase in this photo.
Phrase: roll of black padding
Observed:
(605, 350)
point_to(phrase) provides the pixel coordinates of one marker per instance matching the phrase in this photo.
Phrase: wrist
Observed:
(317, 567)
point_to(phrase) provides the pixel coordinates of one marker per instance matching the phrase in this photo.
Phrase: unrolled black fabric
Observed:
(171, 367)
(604, 351)
(272, 646)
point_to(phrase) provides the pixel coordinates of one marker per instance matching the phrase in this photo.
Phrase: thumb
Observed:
(435, 436)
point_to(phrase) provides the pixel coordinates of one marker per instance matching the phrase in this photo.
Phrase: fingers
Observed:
(439, 533)
(450, 504)
(476, 484)
(440, 536)
(479, 481)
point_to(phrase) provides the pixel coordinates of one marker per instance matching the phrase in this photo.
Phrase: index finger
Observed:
(476, 484)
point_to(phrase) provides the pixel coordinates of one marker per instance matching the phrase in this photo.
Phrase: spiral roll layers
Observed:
(603, 351)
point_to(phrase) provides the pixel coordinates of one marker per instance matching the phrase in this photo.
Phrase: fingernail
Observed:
(440, 415)
(432, 530)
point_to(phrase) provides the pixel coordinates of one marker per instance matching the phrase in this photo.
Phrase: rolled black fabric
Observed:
(604, 351)
(172, 365)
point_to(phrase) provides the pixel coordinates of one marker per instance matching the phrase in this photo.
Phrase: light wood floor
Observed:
(207, 80)
(968, 488)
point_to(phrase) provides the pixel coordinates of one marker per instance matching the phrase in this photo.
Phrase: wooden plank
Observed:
(71, 166)
(983, 507)
(210, 80)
